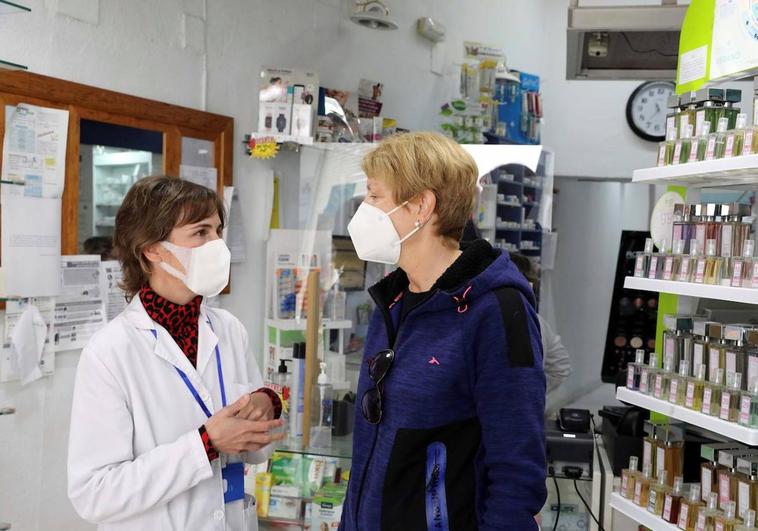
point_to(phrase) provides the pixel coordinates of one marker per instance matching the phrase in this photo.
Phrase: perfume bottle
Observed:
(699, 345)
(749, 524)
(706, 516)
(704, 142)
(742, 267)
(642, 260)
(677, 339)
(670, 453)
(749, 146)
(698, 275)
(735, 228)
(751, 351)
(657, 495)
(648, 374)
(663, 380)
(689, 509)
(747, 485)
(720, 135)
(683, 227)
(673, 262)
(673, 501)
(727, 521)
(678, 389)
(712, 394)
(727, 475)
(634, 370)
(650, 443)
(716, 349)
(709, 102)
(738, 136)
(666, 149)
(695, 389)
(749, 406)
(628, 478)
(730, 397)
(710, 468)
(730, 110)
(642, 487)
(735, 354)
(714, 264)
(672, 117)
(655, 267)
(689, 263)
(683, 147)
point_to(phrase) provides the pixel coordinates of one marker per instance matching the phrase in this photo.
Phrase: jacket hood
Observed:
(480, 270)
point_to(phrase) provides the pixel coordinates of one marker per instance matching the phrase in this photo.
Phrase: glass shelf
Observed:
(12, 7)
(7, 65)
(342, 448)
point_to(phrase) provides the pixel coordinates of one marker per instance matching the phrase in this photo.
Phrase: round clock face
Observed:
(647, 109)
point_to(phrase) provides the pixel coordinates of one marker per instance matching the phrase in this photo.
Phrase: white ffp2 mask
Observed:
(207, 266)
(375, 237)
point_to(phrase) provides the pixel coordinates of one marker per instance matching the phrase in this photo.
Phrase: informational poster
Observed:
(34, 149)
(80, 309)
(110, 280)
(207, 177)
(10, 364)
(735, 38)
(30, 243)
(234, 232)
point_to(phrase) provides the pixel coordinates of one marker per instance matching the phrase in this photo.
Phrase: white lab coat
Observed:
(136, 460)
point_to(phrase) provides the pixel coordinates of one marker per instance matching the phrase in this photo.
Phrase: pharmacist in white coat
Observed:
(168, 402)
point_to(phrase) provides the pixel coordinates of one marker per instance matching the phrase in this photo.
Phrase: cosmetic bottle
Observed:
(699, 219)
(321, 414)
(714, 264)
(709, 102)
(699, 345)
(743, 266)
(281, 385)
(650, 444)
(732, 97)
(713, 223)
(674, 109)
(683, 147)
(689, 509)
(727, 474)
(648, 374)
(751, 352)
(695, 389)
(683, 227)
(706, 516)
(735, 354)
(678, 386)
(655, 267)
(749, 524)
(634, 370)
(720, 136)
(747, 485)
(726, 521)
(642, 260)
(670, 453)
(666, 150)
(716, 349)
(297, 400)
(749, 145)
(657, 495)
(735, 228)
(738, 136)
(698, 275)
(730, 397)
(673, 502)
(663, 380)
(628, 478)
(689, 263)
(703, 142)
(749, 406)
(677, 339)
(710, 468)
(642, 488)
(712, 393)
(673, 262)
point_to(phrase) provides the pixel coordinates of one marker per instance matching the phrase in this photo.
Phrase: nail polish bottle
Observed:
(742, 267)
(673, 502)
(642, 488)
(673, 262)
(712, 394)
(689, 509)
(726, 521)
(628, 478)
(749, 406)
(695, 388)
(730, 397)
(657, 494)
(747, 485)
(706, 516)
(634, 370)
(749, 524)
(642, 260)
(647, 375)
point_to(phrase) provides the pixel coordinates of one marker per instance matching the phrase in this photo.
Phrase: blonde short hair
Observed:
(413, 162)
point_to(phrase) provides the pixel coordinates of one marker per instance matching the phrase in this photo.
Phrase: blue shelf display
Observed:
(519, 111)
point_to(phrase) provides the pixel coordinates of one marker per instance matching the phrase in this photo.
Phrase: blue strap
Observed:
(191, 387)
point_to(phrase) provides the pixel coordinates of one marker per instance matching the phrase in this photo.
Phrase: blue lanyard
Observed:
(191, 387)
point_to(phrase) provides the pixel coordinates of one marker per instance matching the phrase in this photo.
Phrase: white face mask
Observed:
(375, 237)
(207, 266)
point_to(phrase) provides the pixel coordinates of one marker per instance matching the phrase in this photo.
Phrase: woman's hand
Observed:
(259, 407)
(231, 433)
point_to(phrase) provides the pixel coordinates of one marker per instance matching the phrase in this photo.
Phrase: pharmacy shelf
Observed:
(302, 324)
(735, 171)
(280, 138)
(639, 514)
(730, 430)
(689, 289)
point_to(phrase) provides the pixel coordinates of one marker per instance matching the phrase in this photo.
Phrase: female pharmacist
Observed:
(449, 432)
(162, 416)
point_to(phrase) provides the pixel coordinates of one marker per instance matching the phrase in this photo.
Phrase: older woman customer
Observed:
(449, 432)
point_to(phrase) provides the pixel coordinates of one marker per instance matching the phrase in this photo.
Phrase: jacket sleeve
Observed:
(557, 363)
(509, 390)
(106, 481)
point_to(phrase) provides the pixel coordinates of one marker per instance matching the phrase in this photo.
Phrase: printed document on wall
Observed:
(31, 243)
(10, 361)
(80, 309)
(110, 279)
(207, 177)
(34, 149)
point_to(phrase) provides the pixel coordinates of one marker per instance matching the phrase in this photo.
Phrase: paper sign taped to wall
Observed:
(80, 308)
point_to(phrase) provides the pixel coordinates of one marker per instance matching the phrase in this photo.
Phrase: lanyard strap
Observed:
(191, 387)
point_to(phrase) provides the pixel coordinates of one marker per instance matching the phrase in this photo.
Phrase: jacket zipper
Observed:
(394, 338)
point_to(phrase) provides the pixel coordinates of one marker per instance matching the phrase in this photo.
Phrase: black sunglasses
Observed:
(378, 367)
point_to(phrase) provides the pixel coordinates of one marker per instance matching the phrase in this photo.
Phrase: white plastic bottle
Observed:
(321, 412)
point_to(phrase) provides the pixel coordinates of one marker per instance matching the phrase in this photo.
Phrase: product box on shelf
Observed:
(328, 502)
(287, 102)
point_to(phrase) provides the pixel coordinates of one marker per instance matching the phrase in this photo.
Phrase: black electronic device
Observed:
(569, 455)
(574, 420)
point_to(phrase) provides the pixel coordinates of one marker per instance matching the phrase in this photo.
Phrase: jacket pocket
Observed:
(436, 498)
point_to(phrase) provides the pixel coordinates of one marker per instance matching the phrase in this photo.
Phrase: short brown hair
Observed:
(148, 214)
(413, 162)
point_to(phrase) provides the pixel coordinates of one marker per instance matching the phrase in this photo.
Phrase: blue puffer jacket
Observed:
(461, 442)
